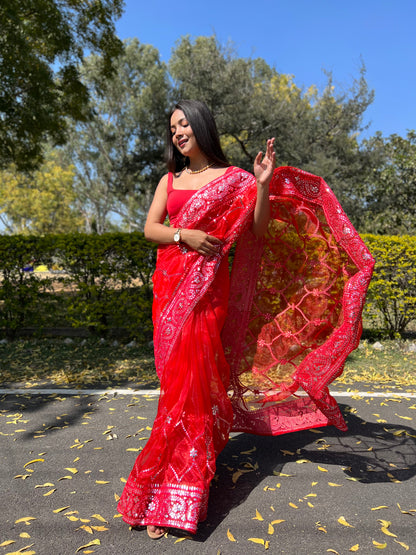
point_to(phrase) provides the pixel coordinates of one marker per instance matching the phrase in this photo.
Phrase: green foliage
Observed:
(389, 191)
(21, 291)
(41, 44)
(105, 282)
(392, 291)
(118, 153)
(43, 202)
(314, 130)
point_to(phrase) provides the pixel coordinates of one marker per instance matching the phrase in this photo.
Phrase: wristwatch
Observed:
(177, 236)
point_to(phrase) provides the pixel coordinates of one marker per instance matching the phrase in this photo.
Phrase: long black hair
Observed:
(205, 130)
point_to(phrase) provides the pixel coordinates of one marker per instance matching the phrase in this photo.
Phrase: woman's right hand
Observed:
(199, 241)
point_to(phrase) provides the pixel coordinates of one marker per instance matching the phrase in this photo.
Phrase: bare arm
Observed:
(263, 171)
(156, 231)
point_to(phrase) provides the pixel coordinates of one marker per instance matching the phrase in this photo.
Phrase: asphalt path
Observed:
(64, 457)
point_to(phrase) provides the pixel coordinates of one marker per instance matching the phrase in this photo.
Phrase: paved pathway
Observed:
(64, 458)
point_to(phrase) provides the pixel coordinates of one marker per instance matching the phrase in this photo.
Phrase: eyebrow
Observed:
(179, 121)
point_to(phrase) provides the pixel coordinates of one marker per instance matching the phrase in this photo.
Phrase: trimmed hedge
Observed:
(103, 282)
(391, 299)
(97, 282)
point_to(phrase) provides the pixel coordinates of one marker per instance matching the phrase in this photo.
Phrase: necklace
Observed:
(199, 171)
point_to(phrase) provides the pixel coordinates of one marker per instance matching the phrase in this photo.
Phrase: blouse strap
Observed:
(170, 181)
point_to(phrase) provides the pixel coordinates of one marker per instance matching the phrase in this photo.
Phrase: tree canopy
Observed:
(112, 115)
(389, 190)
(41, 45)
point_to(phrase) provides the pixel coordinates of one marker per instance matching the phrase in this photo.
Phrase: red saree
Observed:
(289, 320)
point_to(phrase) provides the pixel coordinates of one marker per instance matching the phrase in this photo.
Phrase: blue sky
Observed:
(302, 38)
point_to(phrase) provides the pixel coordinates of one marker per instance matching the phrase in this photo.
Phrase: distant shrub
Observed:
(97, 282)
(392, 291)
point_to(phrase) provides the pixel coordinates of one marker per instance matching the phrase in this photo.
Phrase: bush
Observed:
(105, 282)
(392, 292)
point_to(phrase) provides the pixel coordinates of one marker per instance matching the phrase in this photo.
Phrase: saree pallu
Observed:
(233, 356)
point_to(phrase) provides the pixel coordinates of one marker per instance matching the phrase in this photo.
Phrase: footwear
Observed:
(156, 535)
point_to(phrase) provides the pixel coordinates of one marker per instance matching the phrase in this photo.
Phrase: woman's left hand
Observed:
(263, 169)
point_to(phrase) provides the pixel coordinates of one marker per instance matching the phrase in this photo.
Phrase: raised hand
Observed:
(263, 169)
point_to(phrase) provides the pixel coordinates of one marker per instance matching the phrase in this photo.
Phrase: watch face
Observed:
(176, 237)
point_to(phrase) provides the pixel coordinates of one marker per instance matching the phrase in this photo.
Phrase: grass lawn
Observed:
(91, 362)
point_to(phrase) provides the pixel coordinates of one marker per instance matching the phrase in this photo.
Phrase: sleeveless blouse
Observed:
(178, 197)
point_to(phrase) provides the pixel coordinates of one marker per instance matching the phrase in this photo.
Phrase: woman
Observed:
(267, 327)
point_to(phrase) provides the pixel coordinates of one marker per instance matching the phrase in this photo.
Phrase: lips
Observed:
(182, 143)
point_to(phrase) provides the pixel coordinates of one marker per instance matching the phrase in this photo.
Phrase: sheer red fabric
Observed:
(289, 320)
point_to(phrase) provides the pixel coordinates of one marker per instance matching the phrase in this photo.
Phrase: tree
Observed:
(41, 44)
(389, 191)
(41, 203)
(251, 101)
(118, 153)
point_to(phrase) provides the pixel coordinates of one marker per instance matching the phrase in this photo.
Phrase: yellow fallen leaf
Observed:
(404, 417)
(332, 551)
(6, 543)
(322, 469)
(408, 512)
(276, 473)
(72, 470)
(101, 482)
(25, 519)
(302, 461)
(387, 532)
(293, 505)
(258, 516)
(99, 517)
(182, 539)
(56, 511)
(266, 544)
(333, 485)
(86, 528)
(73, 519)
(404, 545)
(385, 523)
(310, 504)
(134, 449)
(230, 536)
(256, 540)
(355, 547)
(45, 485)
(34, 461)
(99, 528)
(379, 545)
(236, 476)
(50, 492)
(248, 452)
(342, 521)
(277, 521)
(116, 497)
(270, 529)
(322, 529)
(92, 543)
(380, 507)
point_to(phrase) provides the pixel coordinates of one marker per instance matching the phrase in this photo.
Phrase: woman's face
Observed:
(183, 137)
